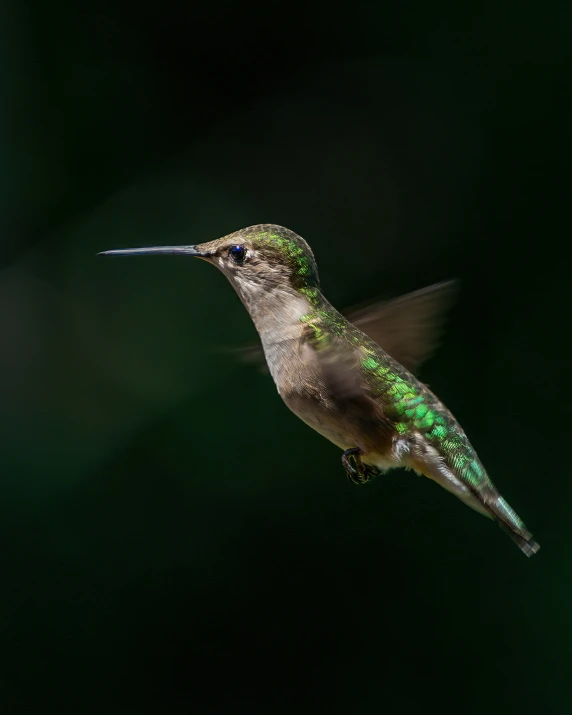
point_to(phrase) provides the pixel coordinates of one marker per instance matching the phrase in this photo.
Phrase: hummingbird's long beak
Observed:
(173, 250)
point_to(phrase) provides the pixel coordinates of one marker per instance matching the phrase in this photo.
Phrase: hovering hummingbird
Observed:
(352, 382)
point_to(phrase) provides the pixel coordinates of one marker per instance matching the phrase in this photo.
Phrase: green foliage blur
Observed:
(174, 540)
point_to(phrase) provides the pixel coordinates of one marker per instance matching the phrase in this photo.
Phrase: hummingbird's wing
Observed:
(408, 328)
(336, 368)
(251, 354)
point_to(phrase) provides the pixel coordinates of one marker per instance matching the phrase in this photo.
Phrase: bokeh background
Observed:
(173, 540)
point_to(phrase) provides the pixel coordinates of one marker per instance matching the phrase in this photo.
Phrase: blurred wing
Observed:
(407, 328)
(340, 373)
(252, 355)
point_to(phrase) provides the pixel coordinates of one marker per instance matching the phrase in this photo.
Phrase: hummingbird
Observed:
(352, 380)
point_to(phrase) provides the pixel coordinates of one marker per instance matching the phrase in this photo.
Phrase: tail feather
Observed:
(476, 490)
(528, 546)
(508, 520)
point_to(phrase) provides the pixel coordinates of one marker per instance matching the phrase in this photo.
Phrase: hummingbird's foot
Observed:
(358, 472)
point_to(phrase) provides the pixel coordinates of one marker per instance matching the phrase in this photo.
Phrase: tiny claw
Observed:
(356, 471)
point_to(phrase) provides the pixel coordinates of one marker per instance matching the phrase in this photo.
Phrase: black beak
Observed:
(172, 250)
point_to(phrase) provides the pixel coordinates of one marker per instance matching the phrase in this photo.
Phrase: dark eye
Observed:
(237, 253)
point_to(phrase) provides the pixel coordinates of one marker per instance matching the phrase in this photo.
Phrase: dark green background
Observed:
(173, 540)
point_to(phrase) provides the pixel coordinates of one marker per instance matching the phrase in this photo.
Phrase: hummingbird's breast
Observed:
(314, 361)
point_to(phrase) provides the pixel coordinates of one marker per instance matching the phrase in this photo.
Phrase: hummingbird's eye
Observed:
(237, 253)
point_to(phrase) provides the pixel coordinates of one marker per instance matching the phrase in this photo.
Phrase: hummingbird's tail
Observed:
(508, 520)
(478, 491)
(488, 501)
(528, 545)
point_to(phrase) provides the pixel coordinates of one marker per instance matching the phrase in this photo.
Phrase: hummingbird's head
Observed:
(263, 258)
(260, 261)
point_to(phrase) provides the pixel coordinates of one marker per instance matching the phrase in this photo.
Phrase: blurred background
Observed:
(173, 540)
